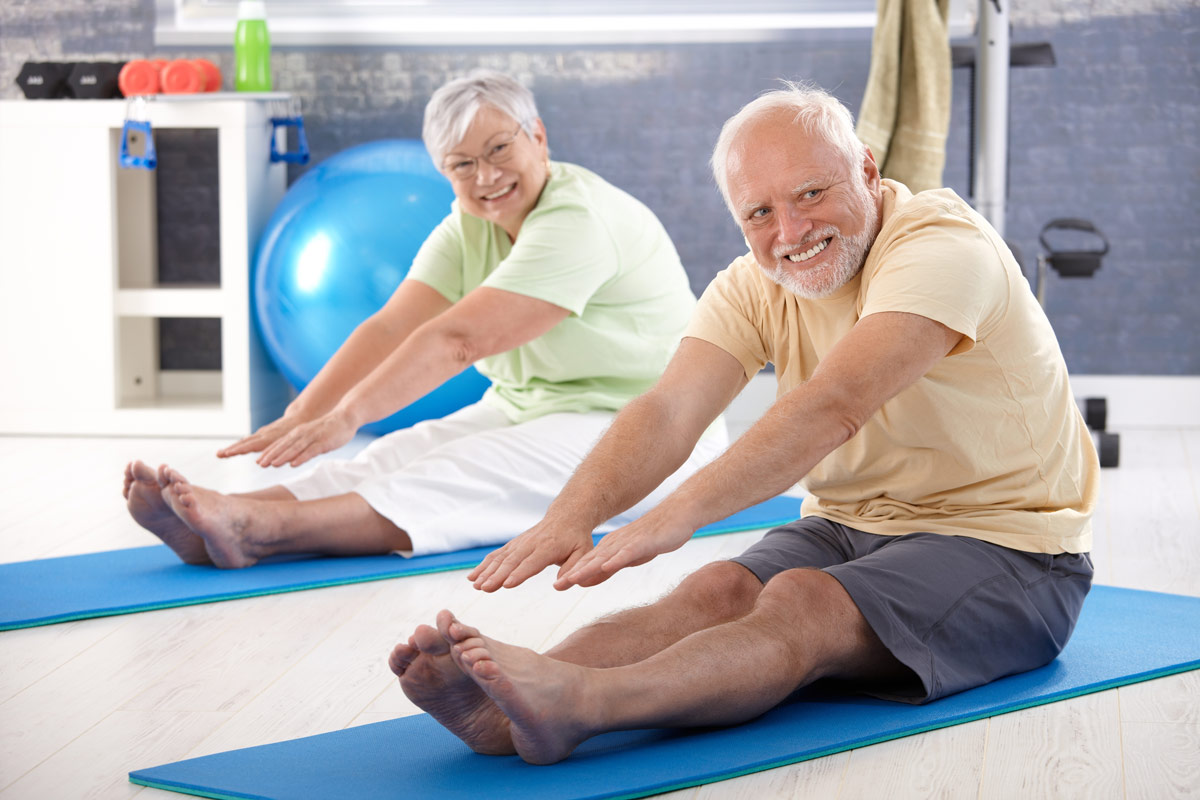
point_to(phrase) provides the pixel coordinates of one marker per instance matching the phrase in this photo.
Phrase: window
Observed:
(512, 22)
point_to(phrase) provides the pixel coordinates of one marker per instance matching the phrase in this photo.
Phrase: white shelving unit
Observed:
(79, 295)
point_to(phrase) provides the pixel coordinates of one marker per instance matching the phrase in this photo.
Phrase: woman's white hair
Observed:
(817, 112)
(453, 107)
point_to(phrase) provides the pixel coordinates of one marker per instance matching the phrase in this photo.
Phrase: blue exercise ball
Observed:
(334, 251)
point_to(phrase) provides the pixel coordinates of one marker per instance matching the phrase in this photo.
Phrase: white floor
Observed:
(83, 703)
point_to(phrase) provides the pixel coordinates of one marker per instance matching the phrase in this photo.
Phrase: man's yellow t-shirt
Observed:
(989, 443)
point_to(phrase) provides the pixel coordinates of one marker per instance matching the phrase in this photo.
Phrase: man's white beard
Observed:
(814, 284)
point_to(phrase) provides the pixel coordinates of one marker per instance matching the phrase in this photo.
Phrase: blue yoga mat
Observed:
(54, 590)
(1123, 636)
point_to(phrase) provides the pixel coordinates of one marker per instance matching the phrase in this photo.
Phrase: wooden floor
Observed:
(83, 703)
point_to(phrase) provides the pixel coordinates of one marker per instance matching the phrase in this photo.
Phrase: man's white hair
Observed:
(453, 107)
(817, 112)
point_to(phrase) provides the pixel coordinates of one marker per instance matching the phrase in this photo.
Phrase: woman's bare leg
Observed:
(239, 530)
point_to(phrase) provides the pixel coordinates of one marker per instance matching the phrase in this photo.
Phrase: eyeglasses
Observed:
(464, 168)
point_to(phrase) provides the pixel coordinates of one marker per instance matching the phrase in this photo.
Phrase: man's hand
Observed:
(309, 440)
(530, 553)
(629, 546)
(262, 438)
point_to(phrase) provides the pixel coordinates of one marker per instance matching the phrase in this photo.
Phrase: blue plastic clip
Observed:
(149, 159)
(300, 154)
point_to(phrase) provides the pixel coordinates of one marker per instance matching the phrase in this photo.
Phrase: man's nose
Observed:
(794, 225)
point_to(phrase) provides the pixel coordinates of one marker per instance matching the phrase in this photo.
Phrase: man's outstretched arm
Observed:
(883, 354)
(651, 438)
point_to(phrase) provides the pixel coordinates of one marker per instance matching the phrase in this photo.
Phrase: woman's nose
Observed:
(487, 173)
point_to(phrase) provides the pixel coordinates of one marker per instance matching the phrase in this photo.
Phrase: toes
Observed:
(471, 651)
(453, 630)
(430, 640)
(181, 490)
(141, 472)
(402, 656)
(136, 472)
(476, 660)
(167, 475)
(486, 668)
(176, 496)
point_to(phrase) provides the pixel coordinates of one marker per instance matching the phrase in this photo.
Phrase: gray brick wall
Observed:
(1110, 134)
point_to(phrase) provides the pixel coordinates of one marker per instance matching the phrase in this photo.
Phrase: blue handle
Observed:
(147, 161)
(300, 154)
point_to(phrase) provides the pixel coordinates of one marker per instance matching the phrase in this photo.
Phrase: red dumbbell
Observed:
(181, 76)
(212, 74)
(139, 77)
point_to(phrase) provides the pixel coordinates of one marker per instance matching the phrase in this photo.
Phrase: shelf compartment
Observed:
(168, 219)
(142, 383)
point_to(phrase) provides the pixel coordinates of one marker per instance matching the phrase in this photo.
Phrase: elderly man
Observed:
(925, 404)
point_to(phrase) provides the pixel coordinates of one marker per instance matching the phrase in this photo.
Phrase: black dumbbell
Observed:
(45, 80)
(95, 80)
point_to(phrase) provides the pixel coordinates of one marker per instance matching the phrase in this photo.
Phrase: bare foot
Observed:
(545, 700)
(431, 679)
(144, 499)
(219, 520)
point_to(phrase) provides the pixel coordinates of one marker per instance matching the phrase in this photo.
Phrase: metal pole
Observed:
(991, 112)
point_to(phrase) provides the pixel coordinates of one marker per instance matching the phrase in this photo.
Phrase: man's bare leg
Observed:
(716, 593)
(143, 493)
(238, 531)
(432, 679)
(804, 626)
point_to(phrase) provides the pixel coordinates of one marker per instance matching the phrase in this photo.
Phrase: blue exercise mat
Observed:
(52, 590)
(1123, 636)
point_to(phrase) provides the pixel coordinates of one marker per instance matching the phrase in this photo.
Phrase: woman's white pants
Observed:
(472, 478)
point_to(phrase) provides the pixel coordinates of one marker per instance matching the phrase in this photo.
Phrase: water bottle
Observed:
(252, 48)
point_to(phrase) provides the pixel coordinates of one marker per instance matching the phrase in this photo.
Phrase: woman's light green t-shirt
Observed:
(587, 247)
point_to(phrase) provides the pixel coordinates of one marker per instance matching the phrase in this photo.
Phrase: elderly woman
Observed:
(564, 290)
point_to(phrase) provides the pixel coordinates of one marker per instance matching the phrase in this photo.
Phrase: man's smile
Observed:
(807, 254)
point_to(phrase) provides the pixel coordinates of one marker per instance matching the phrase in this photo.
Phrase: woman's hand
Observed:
(310, 439)
(530, 553)
(264, 437)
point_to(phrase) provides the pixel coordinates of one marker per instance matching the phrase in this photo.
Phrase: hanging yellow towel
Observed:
(905, 111)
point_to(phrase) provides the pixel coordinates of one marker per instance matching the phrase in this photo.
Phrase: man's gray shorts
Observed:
(957, 611)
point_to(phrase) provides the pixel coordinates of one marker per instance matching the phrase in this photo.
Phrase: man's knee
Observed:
(724, 589)
(817, 623)
(805, 595)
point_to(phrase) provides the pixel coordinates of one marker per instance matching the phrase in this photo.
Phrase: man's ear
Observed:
(870, 169)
